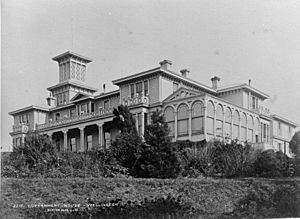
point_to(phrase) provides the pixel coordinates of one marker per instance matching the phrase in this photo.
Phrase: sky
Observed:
(235, 40)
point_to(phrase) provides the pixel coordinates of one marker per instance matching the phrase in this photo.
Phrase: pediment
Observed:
(182, 93)
(79, 96)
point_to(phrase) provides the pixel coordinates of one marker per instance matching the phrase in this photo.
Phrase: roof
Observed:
(79, 96)
(243, 86)
(68, 53)
(73, 83)
(107, 94)
(276, 117)
(32, 107)
(167, 72)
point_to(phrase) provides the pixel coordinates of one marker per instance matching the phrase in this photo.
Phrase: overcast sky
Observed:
(233, 39)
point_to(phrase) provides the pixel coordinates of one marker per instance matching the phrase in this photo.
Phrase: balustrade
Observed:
(139, 99)
(73, 119)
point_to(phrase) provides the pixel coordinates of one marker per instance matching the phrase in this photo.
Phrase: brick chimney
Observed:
(214, 81)
(165, 64)
(185, 72)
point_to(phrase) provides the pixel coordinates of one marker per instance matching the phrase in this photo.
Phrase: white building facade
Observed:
(79, 119)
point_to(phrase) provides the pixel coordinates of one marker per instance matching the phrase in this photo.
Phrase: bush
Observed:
(126, 150)
(272, 164)
(216, 158)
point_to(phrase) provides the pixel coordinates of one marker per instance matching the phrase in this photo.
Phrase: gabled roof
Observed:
(182, 93)
(79, 96)
(243, 86)
(32, 107)
(72, 83)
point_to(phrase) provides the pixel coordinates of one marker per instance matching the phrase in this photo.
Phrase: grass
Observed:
(247, 197)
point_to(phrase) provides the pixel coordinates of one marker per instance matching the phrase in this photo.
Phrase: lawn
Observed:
(130, 197)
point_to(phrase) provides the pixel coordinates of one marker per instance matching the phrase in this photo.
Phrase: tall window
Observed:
(279, 128)
(243, 127)
(57, 116)
(254, 102)
(84, 108)
(132, 90)
(72, 112)
(139, 88)
(106, 104)
(183, 119)
(197, 118)
(146, 89)
(219, 125)
(210, 117)
(73, 144)
(250, 129)
(227, 127)
(236, 121)
(89, 142)
(264, 132)
(65, 98)
(170, 119)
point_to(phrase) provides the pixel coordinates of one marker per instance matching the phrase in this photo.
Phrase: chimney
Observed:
(249, 82)
(104, 88)
(214, 81)
(185, 72)
(51, 100)
(165, 64)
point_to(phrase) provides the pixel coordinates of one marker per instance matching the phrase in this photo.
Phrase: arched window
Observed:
(210, 117)
(170, 119)
(243, 127)
(250, 128)
(236, 121)
(183, 120)
(197, 118)
(219, 117)
(228, 118)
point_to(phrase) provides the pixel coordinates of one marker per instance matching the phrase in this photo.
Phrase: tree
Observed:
(158, 155)
(295, 144)
(37, 150)
(126, 149)
(124, 119)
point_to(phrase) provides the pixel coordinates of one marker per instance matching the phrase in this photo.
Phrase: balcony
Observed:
(74, 119)
(262, 111)
(23, 127)
(138, 99)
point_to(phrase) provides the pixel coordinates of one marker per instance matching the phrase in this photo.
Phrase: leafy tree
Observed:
(126, 149)
(159, 158)
(124, 119)
(37, 150)
(295, 144)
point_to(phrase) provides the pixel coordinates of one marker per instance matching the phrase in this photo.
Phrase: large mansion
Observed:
(78, 119)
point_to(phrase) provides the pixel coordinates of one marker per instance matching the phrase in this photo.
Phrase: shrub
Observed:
(272, 164)
(126, 150)
(159, 158)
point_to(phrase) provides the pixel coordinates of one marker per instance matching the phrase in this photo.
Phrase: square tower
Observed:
(71, 66)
